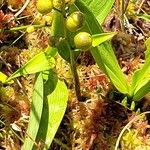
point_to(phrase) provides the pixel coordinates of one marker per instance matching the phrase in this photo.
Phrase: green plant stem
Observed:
(75, 75)
(22, 28)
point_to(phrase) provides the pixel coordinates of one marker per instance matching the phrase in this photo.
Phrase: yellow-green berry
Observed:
(83, 41)
(44, 6)
(75, 21)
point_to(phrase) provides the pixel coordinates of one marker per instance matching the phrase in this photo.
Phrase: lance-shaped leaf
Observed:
(100, 8)
(98, 39)
(142, 90)
(50, 51)
(141, 78)
(58, 30)
(38, 63)
(145, 17)
(103, 54)
(35, 113)
(55, 103)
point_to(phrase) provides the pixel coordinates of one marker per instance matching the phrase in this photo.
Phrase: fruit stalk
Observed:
(75, 75)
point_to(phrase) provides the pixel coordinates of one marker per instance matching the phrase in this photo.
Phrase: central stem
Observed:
(75, 75)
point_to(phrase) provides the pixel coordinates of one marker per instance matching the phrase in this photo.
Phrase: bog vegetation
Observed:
(74, 74)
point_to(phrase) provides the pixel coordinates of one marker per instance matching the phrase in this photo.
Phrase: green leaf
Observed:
(35, 114)
(145, 17)
(38, 63)
(103, 54)
(58, 30)
(115, 79)
(100, 8)
(141, 78)
(98, 39)
(50, 51)
(142, 90)
(55, 103)
(3, 77)
(64, 49)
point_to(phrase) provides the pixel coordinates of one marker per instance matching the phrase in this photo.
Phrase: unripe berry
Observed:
(83, 40)
(44, 6)
(75, 21)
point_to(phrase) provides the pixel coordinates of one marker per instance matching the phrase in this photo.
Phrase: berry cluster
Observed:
(74, 22)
